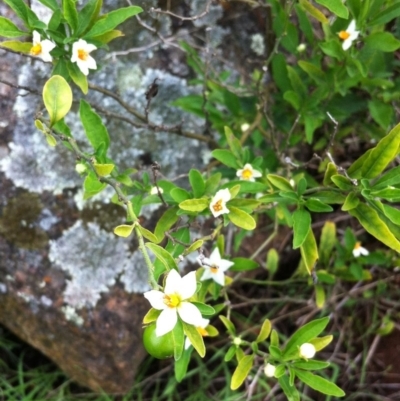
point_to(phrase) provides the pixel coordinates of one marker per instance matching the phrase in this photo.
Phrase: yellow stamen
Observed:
(82, 54)
(36, 49)
(202, 332)
(344, 35)
(214, 269)
(357, 245)
(172, 301)
(217, 206)
(247, 174)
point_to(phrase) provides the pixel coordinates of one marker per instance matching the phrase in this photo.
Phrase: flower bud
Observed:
(307, 351)
(269, 370)
(237, 341)
(301, 47)
(80, 168)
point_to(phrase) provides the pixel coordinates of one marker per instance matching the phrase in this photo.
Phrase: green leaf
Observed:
(320, 384)
(179, 340)
(52, 4)
(392, 213)
(197, 183)
(265, 331)
(336, 6)
(234, 190)
(309, 251)
(108, 36)
(290, 391)
(88, 15)
(381, 112)
(386, 15)
(195, 338)
(148, 234)
(390, 194)
(301, 227)
(383, 41)
(321, 342)
(314, 72)
(355, 170)
(320, 296)
(352, 200)
(92, 185)
(15, 45)
(166, 221)
(372, 223)
(272, 262)
(226, 157)
(70, 13)
(181, 365)
(234, 144)
(78, 77)
(247, 204)
(204, 308)
(241, 219)
(163, 256)
(151, 316)
(179, 194)
(195, 246)
(51, 140)
(123, 230)
(390, 178)
(279, 182)
(297, 83)
(95, 130)
(342, 182)
(315, 205)
(55, 20)
(228, 324)
(327, 242)
(109, 21)
(194, 205)
(243, 264)
(304, 335)
(23, 11)
(242, 371)
(57, 98)
(103, 169)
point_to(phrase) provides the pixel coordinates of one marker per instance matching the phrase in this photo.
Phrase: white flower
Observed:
(349, 35)
(269, 370)
(201, 329)
(301, 47)
(42, 48)
(218, 203)
(307, 351)
(215, 267)
(153, 191)
(359, 250)
(248, 173)
(173, 302)
(244, 127)
(80, 56)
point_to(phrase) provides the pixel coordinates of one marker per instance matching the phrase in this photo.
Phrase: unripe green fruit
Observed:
(159, 347)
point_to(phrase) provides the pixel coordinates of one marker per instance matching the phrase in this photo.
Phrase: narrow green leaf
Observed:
(148, 234)
(241, 219)
(204, 308)
(228, 324)
(327, 242)
(386, 15)
(57, 98)
(290, 391)
(305, 334)
(230, 353)
(382, 41)
(195, 246)
(51, 140)
(179, 340)
(243, 264)
(15, 45)
(92, 185)
(355, 170)
(310, 364)
(111, 20)
(242, 371)
(321, 342)
(342, 182)
(313, 71)
(78, 77)
(181, 365)
(392, 213)
(163, 256)
(390, 178)
(70, 13)
(279, 182)
(197, 183)
(123, 230)
(195, 338)
(309, 251)
(108, 36)
(265, 331)
(370, 220)
(166, 221)
(336, 6)
(23, 11)
(52, 4)
(194, 205)
(320, 296)
(301, 227)
(151, 316)
(234, 144)
(320, 384)
(226, 157)
(95, 130)
(103, 169)
(88, 15)
(352, 200)
(315, 205)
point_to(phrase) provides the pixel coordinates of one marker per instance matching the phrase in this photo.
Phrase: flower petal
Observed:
(207, 275)
(35, 37)
(82, 66)
(166, 321)
(218, 277)
(156, 299)
(188, 286)
(91, 63)
(215, 256)
(173, 282)
(190, 314)
(224, 265)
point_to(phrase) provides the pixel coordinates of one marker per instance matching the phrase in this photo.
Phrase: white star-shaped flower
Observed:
(307, 350)
(247, 173)
(173, 302)
(80, 56)
(218, 203)
(214, 267)
(349, 35)
(201, 329)
(359, 250)
(42, 48)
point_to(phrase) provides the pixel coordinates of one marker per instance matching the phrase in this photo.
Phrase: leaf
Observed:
(265, 331)
(70, 13)
(148, 234)
(279, 182)
(197, 183)
(320, 296)
(242, 371)
(57, 98)
(320, 384)
(166, 221)
(392, 213)
(386, 15)
(181, 365)
(272, 261)
(194, 247)
(194, 205)
(321, 342)
(178, 337)
(314, 72)
(352, 200)
(111, 20)
(226, 157)
(95, 130)
(78, 77)
(204, 308)
(15, 45)
(88, 15)
(103, 169)
(228, 324)
(382, 41)
(381, 112)
(108, 36)
(52, 4)
(372, 223)
(336, 6)
(163, 256)
(342, 182)
(23, 11)
(243, 264)
(315, 205)
(241, 219)
(309, 251)
(290, 391)
(301, 227)
(151, 316)
(51, 140)
(382, 154)
(390, 178)
(195, 338)
(92, 185)
(304, 335)
(234, 144)
(327, 242)
(123, 230)
(310, 364)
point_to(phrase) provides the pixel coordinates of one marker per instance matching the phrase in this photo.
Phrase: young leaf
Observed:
(197, 183)
(148, 234)
(123, 230)
(163, 256)
(15, 45)
(321, 342)
(241, 219)
(95, 130)
(103, 169)
(265, 331)
(228, 324)
(166, 221)
(195, 338)
(109, 21)
(57, 98)
(151, 316)
(352, 200)
(320, 384)
(242, 371)
(304, 335)
(309, 251)
(194, 205)
(301, 227)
